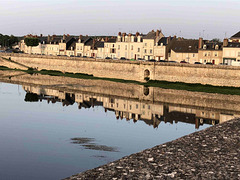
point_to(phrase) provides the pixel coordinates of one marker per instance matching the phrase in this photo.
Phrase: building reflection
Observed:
(151, 112)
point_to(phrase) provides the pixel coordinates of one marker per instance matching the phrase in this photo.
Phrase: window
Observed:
(145, 44)
(136, 106)
(118, 47)
(209, 54)
(215, 54)
(130, 107)
(148, 106)
(131, 47)
(138, 49)
(205, 54)
(125, 47)
(143, 106)
(151, 51)
(193, 55)
(113, 45)
(145, 51)
(238, 54)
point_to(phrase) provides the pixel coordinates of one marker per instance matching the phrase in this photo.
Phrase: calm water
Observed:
(53, 139)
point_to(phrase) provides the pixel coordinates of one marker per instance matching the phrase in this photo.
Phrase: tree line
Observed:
(7, 41)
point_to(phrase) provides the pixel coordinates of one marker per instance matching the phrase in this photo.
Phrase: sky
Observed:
(185, 18)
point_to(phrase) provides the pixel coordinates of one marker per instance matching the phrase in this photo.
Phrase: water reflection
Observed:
(88, 143)
(54, 127)
(151, 112)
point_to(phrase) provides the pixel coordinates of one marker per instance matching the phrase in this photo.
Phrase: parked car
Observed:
(184, 62)
(172, 61)
(123, 58)
(152, 60)
(162, 61)
(139, 59)
(209, 63)
(107, 58)
(197, 63)
(71, 55)
(84, 56)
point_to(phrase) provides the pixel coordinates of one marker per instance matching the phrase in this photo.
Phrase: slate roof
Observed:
(88, 42)
(234, 44)
(164, 40)
(185, 46)
(112, 40)
(73, 45)
(212, 45)
(43, 39)
(99, 44)
(237, 35)
(150, 35)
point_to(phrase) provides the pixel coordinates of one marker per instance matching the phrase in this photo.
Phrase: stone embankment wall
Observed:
(134, 70)
(228, 104)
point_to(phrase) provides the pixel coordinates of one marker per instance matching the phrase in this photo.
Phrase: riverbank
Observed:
(212, 153)
(161, 84)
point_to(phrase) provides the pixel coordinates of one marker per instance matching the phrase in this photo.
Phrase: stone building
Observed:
(231, 53)
(235, 37)
(210, 52)
(129, 46)
(184, 50)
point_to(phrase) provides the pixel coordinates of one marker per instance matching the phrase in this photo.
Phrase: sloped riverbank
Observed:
(212, 153)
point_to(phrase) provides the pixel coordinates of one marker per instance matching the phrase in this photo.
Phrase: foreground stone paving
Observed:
(213, 153)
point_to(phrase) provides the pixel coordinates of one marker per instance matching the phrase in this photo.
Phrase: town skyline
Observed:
(181, 18)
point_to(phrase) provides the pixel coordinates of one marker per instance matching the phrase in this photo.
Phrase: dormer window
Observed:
(216, 47)
(204, 46)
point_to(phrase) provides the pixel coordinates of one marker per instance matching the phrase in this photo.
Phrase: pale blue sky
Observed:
(187, 18)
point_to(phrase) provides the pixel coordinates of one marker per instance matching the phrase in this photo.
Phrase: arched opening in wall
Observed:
(146, 91)
(146, 74)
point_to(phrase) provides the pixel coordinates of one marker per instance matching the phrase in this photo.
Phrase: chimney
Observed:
(157, 33)
(106, 39)
(80, 39)
(40, 35)
(137, 33)
(225, 42)
(64, 37)
(93, 44)
(119, 37)
(200, 43)
(168, 39)
(123, 37)
(48, 39)
(68, 35)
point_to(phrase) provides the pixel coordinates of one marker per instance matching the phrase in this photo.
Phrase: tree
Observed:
(216, 40)
(7, 41)
(30, 41)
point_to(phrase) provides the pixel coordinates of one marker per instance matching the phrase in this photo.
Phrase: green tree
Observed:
(216, 40)
(30, 41)
(7, 41)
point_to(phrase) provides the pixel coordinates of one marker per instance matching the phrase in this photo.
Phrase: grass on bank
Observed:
(150, 83)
